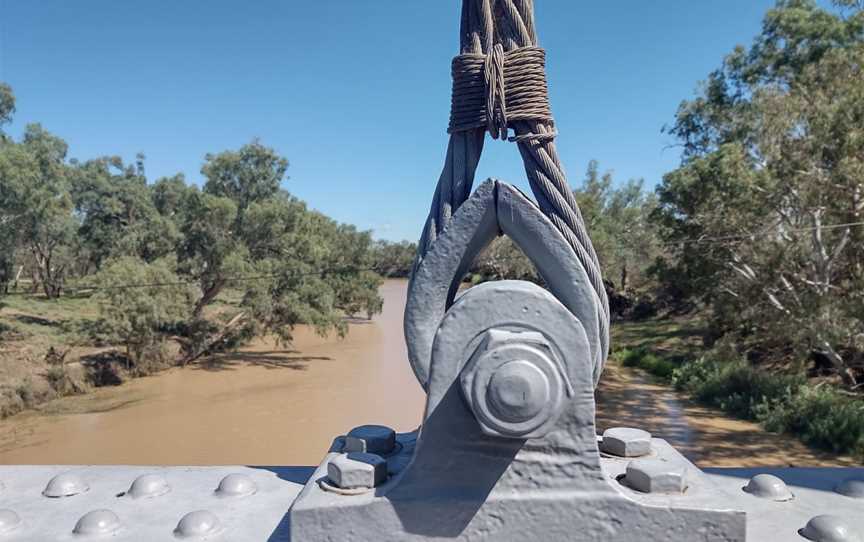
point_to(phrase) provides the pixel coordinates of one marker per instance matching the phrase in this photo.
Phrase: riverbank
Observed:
(270, 405)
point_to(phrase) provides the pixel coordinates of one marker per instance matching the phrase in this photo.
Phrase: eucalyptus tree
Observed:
(290, 264)
(7, 108)
(764, 214)
(36, 207)
(118, 214)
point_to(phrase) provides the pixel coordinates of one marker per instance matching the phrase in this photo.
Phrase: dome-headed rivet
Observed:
(828, 528)
(198, 525)
(236, 485)
(854, 487)
(768, 486)
(148, 486)
(66, 484)
(97, 522)
(9, 521)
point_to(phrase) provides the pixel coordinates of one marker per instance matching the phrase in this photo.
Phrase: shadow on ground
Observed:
(704, 435)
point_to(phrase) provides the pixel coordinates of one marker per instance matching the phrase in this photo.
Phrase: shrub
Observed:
(139, 303)
(646, 360)
(821, 417)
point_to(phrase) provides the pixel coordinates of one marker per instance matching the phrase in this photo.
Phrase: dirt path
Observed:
(704, 435)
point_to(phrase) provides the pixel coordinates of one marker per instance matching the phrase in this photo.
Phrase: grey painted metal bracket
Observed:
(508, 448)
(493, 209)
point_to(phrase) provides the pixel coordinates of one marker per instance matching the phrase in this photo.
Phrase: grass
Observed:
(48, 322)
(672, 351)
(30, 325)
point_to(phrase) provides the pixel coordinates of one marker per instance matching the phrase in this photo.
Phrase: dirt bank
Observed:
(270, 405)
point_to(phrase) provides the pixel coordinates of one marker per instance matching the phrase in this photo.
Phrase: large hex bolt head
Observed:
(373, 439)
(626, 442)
(357, 470)
(515, 384)
(656, 476)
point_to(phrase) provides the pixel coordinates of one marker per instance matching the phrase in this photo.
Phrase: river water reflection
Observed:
(266, 405)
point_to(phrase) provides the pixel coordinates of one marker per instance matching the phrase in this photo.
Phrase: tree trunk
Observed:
(624, 277)
(209, 294)
(839, 364)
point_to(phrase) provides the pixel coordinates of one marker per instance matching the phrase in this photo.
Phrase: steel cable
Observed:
(493, 34)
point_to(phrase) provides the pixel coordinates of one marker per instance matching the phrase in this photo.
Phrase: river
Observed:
(268, 405)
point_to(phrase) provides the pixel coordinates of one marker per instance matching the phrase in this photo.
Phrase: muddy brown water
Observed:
(267, 405)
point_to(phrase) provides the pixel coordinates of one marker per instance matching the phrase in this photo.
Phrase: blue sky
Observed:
(355, 93)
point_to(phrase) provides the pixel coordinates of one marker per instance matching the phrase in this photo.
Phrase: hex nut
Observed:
(656, 476)
(515, 384)
(626, 442)
(373, 439)
(768, 486)
(357, 470)
(66, 484)
(148, 486)
(236, 485)
(97, 523)
(828, 528)
(9, 521)
(198, 525)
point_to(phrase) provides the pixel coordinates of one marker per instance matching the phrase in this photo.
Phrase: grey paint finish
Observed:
(461, 483)
(252, 518)
(768, 486)
(829, 528)
(493, 209)
(626, 442)
(374, 439)
(25, 515)
(357, 470)
(657, 476)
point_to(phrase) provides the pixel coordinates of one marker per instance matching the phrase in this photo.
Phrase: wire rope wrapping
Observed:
(499, 84)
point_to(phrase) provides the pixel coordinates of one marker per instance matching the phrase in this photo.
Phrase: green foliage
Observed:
(119, 215)
(251, 174)
(7, 107)
(617, 217)
(820, 416)
(761, 217)
(643, 358)
(318, 270)
(394, 260)
(502, 260)
(37, 210)
(140, 303)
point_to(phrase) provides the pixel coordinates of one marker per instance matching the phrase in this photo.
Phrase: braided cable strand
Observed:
(477, 34)
(500, 83)
(543, 166)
